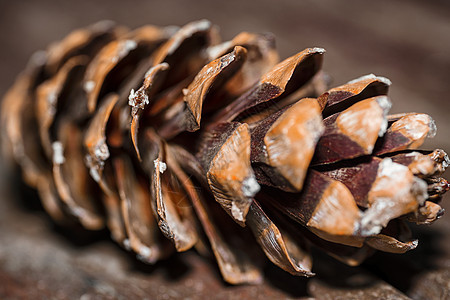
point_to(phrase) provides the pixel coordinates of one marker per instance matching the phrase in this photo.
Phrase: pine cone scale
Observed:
(342, 97)
(279, 246)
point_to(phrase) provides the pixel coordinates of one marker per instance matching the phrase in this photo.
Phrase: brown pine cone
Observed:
(172, 139)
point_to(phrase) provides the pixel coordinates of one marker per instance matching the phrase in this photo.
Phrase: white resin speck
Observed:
(58, 149)
(433, 129)
(138, 99)
(387, 168)
(94, 174)
(145, 251)
(52, 97)
(131, 98)
(128, 45)
(384, 80)
(318, 50)
(101, 150)
(160, 166)
(77, 212)
(89, 86)
(420, 190)
(385, 105)
(126, 244)
(250, 186)
(445, 162)
(236, 212)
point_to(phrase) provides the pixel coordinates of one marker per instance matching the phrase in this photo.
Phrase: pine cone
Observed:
(173, 140)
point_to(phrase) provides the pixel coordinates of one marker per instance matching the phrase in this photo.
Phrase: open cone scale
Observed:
(173, 140)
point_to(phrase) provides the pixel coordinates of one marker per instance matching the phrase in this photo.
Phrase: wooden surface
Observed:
(406, 41)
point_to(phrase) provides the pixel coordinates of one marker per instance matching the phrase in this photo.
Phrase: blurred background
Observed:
(406, 41)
